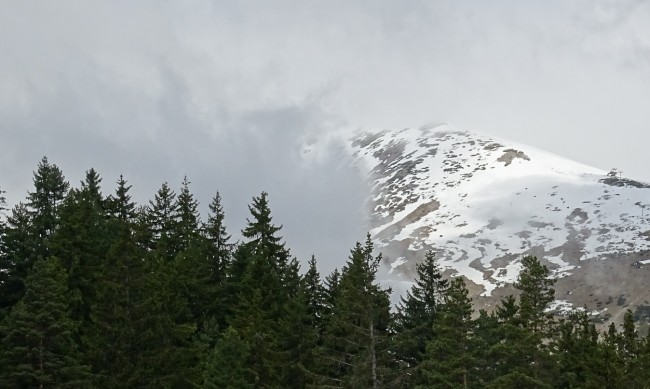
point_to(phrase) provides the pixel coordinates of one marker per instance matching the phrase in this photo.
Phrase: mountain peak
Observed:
(482, 202)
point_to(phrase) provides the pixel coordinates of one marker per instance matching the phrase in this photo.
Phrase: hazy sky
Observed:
(231, 92)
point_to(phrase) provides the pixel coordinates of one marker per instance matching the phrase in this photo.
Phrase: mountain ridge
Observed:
(482, 202)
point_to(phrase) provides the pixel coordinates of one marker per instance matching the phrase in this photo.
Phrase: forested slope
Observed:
(97, 291)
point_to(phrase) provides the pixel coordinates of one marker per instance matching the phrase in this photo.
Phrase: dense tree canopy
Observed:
(98, 291)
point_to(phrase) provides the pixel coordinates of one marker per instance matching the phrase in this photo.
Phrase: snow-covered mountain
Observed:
(483, 202)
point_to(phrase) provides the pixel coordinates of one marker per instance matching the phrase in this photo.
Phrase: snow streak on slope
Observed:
(480, 200)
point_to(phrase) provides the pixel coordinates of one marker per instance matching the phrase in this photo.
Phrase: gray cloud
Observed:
(233, 93)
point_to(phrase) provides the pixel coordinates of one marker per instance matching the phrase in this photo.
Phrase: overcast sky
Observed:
(231, 93)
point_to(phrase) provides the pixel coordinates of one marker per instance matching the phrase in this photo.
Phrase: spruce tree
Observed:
(28, 230)
(227, 365)
(416, 314)
(50, 188)
(220, 246)
(525, 328)
(81, 242)
(267, 262)
(18, 247)
(355, 348)
(537, 292)
(168, 355)
(315, 297)
(577, 345)
(3, 201)
(450, 360)
(612, 366)
(260, 331)
(218, 253)
(38, 344)
(332, 286)
(298, 333)
(187, 229)
(117, 316)
(162, 219)
(262, 235)
(3, 208)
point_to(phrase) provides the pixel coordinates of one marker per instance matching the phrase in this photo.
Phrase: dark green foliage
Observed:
(120, 205)
(28, 230)
(576, 345)
(50, 188)
(3, 201)
(117, 314)
(227, 366)
(450, 354)
(220, 251)
(187, 229)
(81, 241)
(416, 314)
(315, 297)
(38, 343)
(18, 249)
(3, 208)
(520, 341)
(355, 345)
(102, 292)
(537, 292)
(218, 256)
(167, 356)
(162, 219)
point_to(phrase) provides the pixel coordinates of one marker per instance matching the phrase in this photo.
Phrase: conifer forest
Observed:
(97, 291)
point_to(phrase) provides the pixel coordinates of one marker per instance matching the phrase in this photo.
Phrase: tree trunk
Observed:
(373, 357)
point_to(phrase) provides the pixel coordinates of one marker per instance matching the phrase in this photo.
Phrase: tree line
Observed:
(98, 291)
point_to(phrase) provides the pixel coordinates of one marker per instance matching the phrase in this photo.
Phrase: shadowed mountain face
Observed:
(482, 203)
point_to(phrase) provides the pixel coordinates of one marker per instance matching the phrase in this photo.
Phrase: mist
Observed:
(244, 97)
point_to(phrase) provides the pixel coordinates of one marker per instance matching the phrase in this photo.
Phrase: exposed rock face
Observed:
(482, 203)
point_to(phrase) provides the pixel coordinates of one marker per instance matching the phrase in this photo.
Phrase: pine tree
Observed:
(4, 264)
(537, 292)
(192, 258)
(3, 208)
(612, 366)
(50, 188)
(267, 262)
(120, 205)
(489, 336)
(91, 188)
(187, 229)
(262, 235)
(220, 251)
(227, 366)
(450, 360)
(117, 313)
(629, 350)
(81, 242)
(38, 344)
(162, 220)
(168, 355)
(18, 250)
(257, 329)
(355, 349)
(315, 297)
(3, 201)
(416, 314)
(524, 331)
(28, 230)
(577, 346)
(332, 286)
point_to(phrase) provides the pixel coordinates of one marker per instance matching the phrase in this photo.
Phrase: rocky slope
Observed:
(482, 203)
